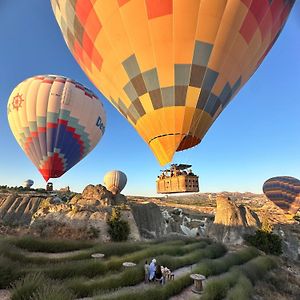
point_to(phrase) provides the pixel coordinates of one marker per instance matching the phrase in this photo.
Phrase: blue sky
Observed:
(256, 136)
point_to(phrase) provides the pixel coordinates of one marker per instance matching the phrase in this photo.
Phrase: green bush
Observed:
(257, 268)
(268, 242)
(49, 291)
(49, 246)
(217, 288)
(118, 229)
(24, 288)
(241, 290)
(237, 283)
(8, 272)
(158, 292)
(92, 267)
(223, 264)
(93, 232)
(135, 275)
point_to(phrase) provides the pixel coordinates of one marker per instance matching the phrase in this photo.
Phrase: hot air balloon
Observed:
(284, 191)
(28, 183)
(115, 181)
(56, 121)
(170, 66)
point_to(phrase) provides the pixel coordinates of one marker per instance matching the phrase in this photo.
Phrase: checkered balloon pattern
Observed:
(170, 67)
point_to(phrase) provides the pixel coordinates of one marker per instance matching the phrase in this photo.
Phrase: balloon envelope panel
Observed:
(56, 121)
(170, 66)
(115, 181)
(284, 191)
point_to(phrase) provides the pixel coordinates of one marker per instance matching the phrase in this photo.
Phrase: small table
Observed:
(198, 287)
(97, 255)
(128, 264)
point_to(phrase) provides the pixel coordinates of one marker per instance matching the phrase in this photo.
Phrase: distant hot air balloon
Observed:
(115, 181)
(28, 183)
(170, 66)
(284, 191)
(56, 121)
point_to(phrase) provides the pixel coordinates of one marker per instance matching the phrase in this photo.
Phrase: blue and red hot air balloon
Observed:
(56, 121)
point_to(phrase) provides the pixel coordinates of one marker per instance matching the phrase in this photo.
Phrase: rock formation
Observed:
(149, 220)
(18, 210)
(232, 222)
(84, 216)
(85, 213)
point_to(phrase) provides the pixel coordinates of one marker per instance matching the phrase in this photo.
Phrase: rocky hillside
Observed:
(85, 216)
(18, 210)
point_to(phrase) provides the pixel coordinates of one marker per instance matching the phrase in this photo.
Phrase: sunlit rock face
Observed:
(232, 222)
(84, 216)
(84, 213)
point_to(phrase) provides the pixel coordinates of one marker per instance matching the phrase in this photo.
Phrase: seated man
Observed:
(159, 275)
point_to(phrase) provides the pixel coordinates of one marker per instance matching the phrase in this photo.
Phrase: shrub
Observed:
(223, 264)
(8, 272)
(257, 268)
(241, 290)
(118, 229)
(93, 232)
(52, 292)
(217, 288)
(268, 242)
(135, 275)
(24, 288)
(50, 246)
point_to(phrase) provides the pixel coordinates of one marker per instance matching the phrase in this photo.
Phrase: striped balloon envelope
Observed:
(284, 191)
(170, 66)
(115, 181)
(56, 121)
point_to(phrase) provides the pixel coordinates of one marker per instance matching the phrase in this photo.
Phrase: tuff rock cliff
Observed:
(232, 222)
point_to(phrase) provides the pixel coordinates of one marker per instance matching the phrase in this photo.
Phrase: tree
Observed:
(118, 229)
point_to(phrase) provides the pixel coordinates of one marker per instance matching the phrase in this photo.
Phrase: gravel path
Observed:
(4, 295)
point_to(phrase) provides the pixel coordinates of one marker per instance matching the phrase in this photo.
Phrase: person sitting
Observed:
(166, 272)
(152, 268)
(158, 274)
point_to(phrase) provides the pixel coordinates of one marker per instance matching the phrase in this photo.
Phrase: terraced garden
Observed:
(38, 269)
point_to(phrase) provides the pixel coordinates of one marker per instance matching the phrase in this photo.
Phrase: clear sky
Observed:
(256, 136)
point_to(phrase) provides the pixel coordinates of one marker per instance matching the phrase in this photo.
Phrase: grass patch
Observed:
(242, 290)
(258, 267)
(83, 288)
(37, 287)
(111, 249)
(238, 282)
(52, 292)
(216, 289)
(91, 268)
(208, 267)
(24, 288)
(49, 246)
(8, 272)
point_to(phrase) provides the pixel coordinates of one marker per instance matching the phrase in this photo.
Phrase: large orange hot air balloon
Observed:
(56, 121)
(170, 66)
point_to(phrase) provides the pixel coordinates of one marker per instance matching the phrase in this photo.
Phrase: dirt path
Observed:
(143, 286)
(52, 255)
(4, 295)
